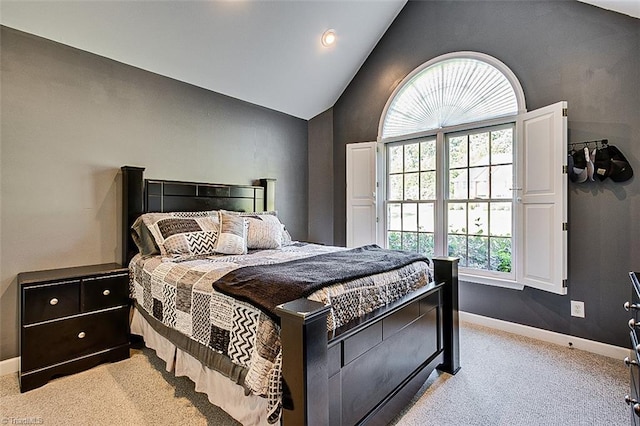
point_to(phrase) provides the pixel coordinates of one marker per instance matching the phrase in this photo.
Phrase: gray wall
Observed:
(559, 50)
(321, 178)
(70, 119)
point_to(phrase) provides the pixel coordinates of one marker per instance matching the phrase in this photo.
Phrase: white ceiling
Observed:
(628, 7)
(264, 52)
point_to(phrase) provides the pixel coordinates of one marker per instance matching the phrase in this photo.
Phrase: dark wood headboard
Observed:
(141, 195)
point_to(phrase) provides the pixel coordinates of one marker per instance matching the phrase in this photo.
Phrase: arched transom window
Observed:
(453, 89)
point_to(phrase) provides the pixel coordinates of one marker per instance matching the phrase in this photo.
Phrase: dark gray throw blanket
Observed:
(267, 286)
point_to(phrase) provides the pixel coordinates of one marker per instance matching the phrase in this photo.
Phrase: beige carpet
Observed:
(137, 391)
(505, 380)
(509, 380)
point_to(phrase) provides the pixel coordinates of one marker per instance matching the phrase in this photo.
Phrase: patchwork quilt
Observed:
(236, 338)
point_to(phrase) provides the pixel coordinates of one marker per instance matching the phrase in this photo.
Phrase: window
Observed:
(477, 201)
(457, 181)
(411, 196)
(479, 198)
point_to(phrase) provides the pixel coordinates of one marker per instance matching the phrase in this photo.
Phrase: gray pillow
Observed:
(143, 238)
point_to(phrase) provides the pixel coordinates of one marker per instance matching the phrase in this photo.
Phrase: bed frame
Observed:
(362, 373)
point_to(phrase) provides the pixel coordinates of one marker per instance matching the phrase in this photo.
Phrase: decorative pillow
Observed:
(264, 235)
(233, 234)
(143, 238)
(286, 237)
(184, 233)
(265, 231)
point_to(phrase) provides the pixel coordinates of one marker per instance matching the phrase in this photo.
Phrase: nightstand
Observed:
(72, 319)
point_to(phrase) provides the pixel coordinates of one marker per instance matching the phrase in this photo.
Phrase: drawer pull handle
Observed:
(632, 323)
(636, 405)
(629, 362)
(53, 301)
(628, 306)
(81, 335)
(106, 292)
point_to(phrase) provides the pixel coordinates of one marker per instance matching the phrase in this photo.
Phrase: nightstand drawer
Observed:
(58, 341)
(50, 301)
(105, 292)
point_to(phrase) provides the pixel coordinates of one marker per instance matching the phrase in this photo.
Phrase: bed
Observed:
(346, 344)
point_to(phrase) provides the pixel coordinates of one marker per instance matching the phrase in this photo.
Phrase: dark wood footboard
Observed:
(368, 370)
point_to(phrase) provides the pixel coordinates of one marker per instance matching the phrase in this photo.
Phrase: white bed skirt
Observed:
(222, 392)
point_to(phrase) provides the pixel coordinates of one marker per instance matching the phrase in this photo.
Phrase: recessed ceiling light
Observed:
(328, 38)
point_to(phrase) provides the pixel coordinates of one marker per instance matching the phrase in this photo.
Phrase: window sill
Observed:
(496, 282)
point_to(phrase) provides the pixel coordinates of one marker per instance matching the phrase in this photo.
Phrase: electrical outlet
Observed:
(577, 309)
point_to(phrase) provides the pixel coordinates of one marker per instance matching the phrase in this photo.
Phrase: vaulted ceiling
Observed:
(265, 52)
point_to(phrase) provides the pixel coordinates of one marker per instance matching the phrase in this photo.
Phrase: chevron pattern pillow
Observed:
(184, 234)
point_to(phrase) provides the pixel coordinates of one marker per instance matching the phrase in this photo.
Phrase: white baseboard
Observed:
(610, 351)
(9, 366)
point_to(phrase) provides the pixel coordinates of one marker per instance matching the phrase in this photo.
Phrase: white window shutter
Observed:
(541, 198)
(361, 194)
